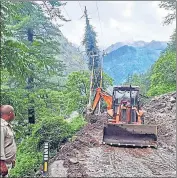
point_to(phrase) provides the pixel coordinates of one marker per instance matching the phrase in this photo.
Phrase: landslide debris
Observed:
(87, 157)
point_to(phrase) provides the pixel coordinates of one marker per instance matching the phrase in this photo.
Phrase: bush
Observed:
(28, 158)
(30, 151)
(54, 130)
(76, 124)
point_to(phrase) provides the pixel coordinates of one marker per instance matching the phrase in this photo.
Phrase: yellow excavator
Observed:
(125, 124)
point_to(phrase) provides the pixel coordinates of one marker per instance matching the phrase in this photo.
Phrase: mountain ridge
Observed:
(128, 60)
(138, 44)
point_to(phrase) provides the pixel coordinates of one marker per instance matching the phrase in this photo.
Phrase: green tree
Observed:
(92, 51)
(163, 78)
(172, 43)
(170, 6)
(21, 58)
(141, 80)
(90, 43)
(19, 20)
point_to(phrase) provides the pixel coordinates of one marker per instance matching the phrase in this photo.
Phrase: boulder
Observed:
(172, 100)
(73, 160)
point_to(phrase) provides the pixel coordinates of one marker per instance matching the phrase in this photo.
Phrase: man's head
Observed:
(7, 113)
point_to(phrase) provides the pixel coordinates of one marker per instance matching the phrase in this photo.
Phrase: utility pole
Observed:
(129, 79)
(101, 81)
(91, 78)
(30, 81)
(91, 53)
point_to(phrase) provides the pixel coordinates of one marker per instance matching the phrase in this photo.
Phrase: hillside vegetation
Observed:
(43, 71)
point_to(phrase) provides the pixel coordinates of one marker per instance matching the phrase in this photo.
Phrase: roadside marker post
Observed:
(45, 158)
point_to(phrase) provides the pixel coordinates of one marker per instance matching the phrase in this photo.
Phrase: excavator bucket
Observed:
(130, 135)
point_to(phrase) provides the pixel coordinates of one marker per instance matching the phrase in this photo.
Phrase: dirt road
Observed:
(87, 157)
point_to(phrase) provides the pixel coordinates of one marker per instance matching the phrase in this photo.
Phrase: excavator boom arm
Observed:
(102, 94)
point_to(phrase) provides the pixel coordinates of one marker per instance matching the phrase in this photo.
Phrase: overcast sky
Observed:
(120, 21)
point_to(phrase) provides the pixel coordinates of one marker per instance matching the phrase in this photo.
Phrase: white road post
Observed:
(45, 158)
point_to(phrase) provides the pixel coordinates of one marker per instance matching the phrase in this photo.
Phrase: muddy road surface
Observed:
(87, 157)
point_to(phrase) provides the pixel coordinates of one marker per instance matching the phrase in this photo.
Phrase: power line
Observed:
(99, 18)
(66, 12)
(81, 9)
(101, 67)
(100, 23)
(80, 6)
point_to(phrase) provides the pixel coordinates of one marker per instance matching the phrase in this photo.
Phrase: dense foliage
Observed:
(163, 78)
(53, 129)
(30, 47)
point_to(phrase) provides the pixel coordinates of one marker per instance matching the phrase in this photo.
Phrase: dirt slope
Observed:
(86, 157)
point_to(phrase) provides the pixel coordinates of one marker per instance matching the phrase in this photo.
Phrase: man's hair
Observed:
(5, 109)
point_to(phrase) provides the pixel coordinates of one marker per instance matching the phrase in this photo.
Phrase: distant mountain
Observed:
(138, 44)
(156, 45)
(129, 59)
(71, 56)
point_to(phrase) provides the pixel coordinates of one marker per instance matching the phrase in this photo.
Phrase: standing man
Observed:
(8, 146)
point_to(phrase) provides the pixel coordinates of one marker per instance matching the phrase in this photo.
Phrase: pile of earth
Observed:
(85, 156)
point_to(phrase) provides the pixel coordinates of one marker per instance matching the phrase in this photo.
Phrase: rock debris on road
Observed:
(87, 157)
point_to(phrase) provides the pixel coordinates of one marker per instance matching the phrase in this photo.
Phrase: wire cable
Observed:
(100, 23)
(80, 6)
(66, 12)
(99, 18)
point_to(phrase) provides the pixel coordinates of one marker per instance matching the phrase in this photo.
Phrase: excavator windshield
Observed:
(126, 94)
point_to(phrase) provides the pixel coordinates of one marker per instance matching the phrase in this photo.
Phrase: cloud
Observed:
(117, 2)
(114, 23)
(73, 31)
(128, 9)
(120, 21)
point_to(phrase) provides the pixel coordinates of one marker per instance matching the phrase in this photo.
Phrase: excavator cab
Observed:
(126, 126)
(125, 97)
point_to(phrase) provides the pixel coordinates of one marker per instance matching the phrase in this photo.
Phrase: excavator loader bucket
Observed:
(130, 135)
